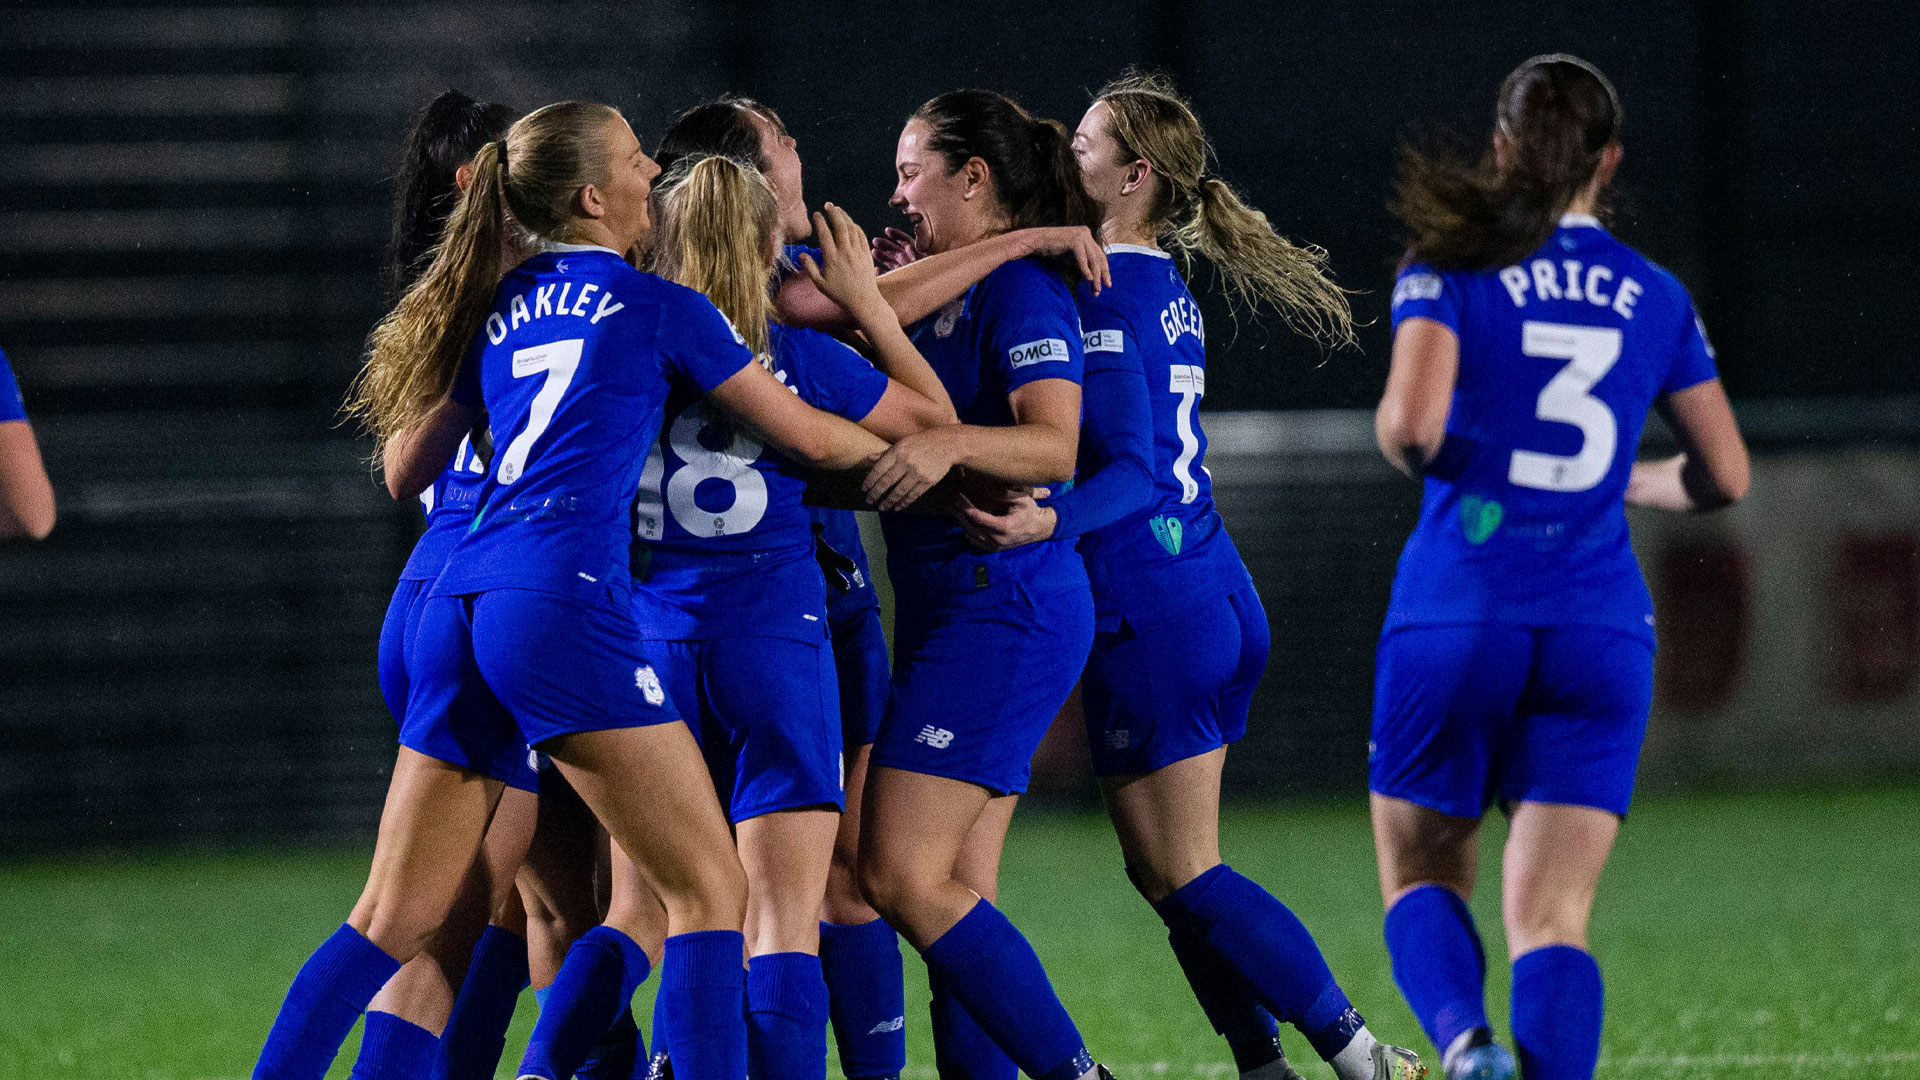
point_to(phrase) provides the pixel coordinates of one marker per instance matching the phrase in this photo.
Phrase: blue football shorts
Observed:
(978, 678)
(496, 672)
(1465, 715)
(767, 713)
(403, 619)
(1178, 690)
(860, 662)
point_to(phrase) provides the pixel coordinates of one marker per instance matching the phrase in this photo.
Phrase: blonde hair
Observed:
(1195, 211)
(716, 221)
(532, 176)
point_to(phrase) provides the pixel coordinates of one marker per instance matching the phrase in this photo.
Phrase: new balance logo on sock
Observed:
(898, 1023)
(938, 738)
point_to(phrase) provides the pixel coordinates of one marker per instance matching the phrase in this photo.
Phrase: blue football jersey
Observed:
(572, 365)
(12, 405)
(1017, 325)
(449, 504)
(1561, 355)
(1151, 565)
(718, 512)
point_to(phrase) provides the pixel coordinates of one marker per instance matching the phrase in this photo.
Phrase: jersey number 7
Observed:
(559, 360)
(1590, 352)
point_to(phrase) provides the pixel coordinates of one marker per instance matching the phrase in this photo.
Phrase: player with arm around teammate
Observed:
(528, 635)
(1181, 637)
(729, 602)
(1516, 663)
(987, 647)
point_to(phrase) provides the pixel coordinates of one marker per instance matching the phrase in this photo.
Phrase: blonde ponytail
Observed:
(717, 218)
(532, 176)
(416, 349)
(1259, 266)
(1194, 212)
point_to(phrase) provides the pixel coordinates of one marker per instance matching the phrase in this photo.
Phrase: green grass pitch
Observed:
(1741, 936)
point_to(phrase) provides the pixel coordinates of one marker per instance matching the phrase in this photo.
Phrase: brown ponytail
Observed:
(415, 351)
(1556, 114)
(1194, 212)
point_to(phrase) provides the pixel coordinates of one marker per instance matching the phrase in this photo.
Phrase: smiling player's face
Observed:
(629, 183)
(933, 197)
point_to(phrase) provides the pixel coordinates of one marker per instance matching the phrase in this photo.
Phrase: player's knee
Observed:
(888, 886)
(1535, 919)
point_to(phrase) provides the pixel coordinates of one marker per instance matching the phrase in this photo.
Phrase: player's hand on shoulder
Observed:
(1077, 241)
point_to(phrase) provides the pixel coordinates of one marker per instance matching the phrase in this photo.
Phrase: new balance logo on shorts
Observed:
(898, 1023)
(649, 684)
(938, 738)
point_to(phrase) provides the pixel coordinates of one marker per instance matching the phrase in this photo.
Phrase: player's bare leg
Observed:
(423, 992)
(431, 831)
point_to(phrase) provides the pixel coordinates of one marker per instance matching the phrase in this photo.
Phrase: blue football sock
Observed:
(866, 998)
(786, 1016)
(703, 994)
(660, 1064)
(995, 974)
(1270, 950)
(617, 1053)
(327, 996)
(1556, 1013)
(394, 1049)
(476, 1032)
(1251, 1032)
(1439, 962)
(961, 1051)
(594, 984)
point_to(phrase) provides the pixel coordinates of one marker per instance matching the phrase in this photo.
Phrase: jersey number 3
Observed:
(1590, 352)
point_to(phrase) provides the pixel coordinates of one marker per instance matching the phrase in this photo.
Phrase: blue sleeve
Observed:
(832, 377)
(1693, 362)
(1032, 329)
(1423, 292)
(12, 405)
(697, 342)
(1116, 435)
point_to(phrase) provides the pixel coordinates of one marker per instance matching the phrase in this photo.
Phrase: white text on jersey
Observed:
(1544, 279)
(546, 303)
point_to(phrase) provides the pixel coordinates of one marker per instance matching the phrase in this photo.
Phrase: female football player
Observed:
(730, 603)
(404, 1020)
(1516, 663)
(987, 647)
(1181, 636)
(528, 635)
(859, 953)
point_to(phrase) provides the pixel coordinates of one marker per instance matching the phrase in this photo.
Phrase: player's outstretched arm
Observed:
(1711, 471)
(1411, 423)
(779, 418)
(924, 285)
(26, 495)
(1039, 448)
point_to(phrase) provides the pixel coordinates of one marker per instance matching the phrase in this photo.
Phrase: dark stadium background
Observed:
(193, 198)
